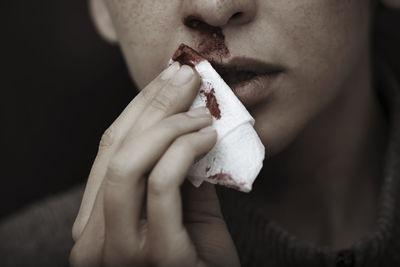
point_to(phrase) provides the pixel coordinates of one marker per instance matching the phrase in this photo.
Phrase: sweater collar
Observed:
(378, 244)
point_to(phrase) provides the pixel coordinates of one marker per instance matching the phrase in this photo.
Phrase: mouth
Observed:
(251, 80)
(241, 70)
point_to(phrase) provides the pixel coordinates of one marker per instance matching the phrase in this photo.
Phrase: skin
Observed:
(322, 125)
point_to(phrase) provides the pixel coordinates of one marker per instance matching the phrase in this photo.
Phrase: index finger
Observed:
(174, 97)
(135, 108)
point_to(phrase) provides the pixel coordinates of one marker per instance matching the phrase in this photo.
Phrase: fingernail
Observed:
(198, 112)
(208, 129)
(184, 75)
(170, 71)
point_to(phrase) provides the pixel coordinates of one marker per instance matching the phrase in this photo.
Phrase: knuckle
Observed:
(146, 94)
(117, 171)
(77, 229)
(164, 100)
(161, 103)
(158, 183)
(108, 137)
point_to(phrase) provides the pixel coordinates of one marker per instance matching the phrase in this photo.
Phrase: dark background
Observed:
(62, 86)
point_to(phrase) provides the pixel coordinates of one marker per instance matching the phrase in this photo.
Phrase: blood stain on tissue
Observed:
(227, 180)
(221, 176)
(212, 103)
(187, 56)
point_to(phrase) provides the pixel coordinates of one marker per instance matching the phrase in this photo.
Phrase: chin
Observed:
(275, 141)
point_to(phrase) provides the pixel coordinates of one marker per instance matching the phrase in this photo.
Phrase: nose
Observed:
(219, 13)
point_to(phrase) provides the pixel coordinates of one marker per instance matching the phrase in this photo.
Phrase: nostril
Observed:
(192, 22)
(237, 15)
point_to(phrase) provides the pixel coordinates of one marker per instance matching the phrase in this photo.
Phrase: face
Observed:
(319, 45)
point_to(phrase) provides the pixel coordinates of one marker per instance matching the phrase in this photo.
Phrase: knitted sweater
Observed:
(40, 235)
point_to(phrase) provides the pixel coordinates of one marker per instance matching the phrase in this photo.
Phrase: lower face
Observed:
(320, 44)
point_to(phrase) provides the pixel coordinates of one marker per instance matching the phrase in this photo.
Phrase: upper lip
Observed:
(239, 69)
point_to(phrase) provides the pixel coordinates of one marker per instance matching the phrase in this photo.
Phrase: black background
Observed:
(62, 86)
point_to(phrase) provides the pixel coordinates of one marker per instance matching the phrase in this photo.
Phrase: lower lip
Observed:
(257, 89)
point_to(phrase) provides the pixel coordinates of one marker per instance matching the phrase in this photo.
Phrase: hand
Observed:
(148, 151)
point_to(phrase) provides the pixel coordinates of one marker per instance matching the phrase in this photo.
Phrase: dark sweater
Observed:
(41, 234)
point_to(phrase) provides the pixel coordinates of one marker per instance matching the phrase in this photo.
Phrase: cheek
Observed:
(330, 46)
(323, 44)
(322, 36)
(143, 18)
(145, 30)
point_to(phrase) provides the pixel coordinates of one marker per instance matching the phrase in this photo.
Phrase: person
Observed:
(320, 119)
(328, 192)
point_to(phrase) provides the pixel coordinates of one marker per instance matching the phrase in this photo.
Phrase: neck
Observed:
(326, 184)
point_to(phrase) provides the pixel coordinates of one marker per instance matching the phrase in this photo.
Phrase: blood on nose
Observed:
(211, 40)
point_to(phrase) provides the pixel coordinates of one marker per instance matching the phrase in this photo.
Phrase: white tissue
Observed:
(237, 158)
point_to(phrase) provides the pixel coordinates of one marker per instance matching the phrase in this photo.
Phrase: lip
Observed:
(251, 80)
